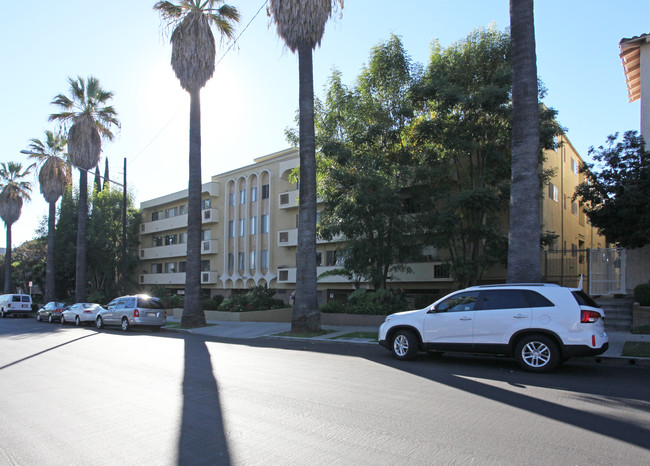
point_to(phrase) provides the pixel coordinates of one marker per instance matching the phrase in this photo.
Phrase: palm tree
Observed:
(193, 61)
(90, 120)
(301, 24)
(524, 237)
(53, 180)
(13, 192)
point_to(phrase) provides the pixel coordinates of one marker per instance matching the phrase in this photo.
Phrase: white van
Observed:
(15, 304)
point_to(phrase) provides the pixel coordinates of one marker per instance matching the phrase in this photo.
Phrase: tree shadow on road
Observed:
(202, 437)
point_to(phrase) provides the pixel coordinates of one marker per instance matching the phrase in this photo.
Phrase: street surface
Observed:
(72, 396)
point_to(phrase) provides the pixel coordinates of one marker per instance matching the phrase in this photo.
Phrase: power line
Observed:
(222, 57)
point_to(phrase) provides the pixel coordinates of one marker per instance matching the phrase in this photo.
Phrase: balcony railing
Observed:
(177, 250)
(177, 222)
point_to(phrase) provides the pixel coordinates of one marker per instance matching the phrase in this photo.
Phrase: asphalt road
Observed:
(78, 396)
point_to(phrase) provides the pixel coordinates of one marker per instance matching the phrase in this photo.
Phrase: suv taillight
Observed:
(589, 317)
(136, 313)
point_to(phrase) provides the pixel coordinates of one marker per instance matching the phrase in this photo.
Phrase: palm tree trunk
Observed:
(81, 289)
(8, 284)
(50, 277)
(524, 237)
(306, 316)
(193, 315)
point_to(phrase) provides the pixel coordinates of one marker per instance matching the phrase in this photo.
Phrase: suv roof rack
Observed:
(516, 284)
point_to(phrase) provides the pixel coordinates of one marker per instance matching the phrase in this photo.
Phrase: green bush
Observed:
(642, 294)
(97, 297)
(176, 301)
(363, 301)
(212, 304)
(257, 298)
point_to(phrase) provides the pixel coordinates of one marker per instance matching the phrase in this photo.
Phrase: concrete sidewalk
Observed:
(249, 330)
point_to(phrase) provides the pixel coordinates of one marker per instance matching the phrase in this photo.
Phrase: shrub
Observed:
(362, 301)
(97, 297)
(257, 298)
(642, 294)
(211, 304)
(176, 301)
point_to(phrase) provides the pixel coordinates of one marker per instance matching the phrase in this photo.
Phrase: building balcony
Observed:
(176, 279)
(288, 200)
(420, 272)
(177, 250)
(289, 238)
(177, 222)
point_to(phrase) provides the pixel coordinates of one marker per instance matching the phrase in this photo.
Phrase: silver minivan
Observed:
(129, 311)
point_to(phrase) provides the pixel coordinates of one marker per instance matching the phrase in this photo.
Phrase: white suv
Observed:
(541, 325)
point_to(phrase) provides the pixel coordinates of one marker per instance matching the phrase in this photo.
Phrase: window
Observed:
(170, 267)
(265, 223)
(169, 213)
(182, 238)
(553, 192)
(181, 266)
(284, 198)
(254, 194)
(205, 266)
(253, 226)
(182, 210)
(171, 239)
(252, 261)
(503, 299)
(156, 268)
(231, 228)
(231, 262)
(231, 199)
(205, 204)
(330, 258)
(264, 259)
(240, 261)
(284, 236)
(156, 241)
(242, 227)
(574, 166)
(205, 235)
(319, 259)
(441, 271)
(574, 207)
(537, 300)
(265, 191)
(242, 196)
(461, 302)
(284, 275)
(156, 216)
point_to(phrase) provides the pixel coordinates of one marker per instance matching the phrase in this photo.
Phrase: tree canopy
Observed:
(616, 193)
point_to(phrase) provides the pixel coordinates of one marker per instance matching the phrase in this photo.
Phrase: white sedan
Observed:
(80, 313)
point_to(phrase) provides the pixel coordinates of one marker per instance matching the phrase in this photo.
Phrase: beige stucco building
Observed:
(249, 234)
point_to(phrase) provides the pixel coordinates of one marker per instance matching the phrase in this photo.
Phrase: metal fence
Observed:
(597, 271)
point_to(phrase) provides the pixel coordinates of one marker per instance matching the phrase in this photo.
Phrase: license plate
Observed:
(152, 314)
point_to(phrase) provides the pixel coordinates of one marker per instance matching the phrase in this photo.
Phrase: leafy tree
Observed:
(29, 264)
(462, 134)
(367, 167)
(524, 234)
(13, 191)
(52, 177)
(301, 24)
(91, 119)
(105, 238)
(193, 61)
(616, 196)
(65, 245)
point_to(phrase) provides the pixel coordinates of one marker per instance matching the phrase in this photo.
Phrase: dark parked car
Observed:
(51, 311)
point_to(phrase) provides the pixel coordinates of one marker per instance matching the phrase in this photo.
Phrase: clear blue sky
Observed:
(253, 95)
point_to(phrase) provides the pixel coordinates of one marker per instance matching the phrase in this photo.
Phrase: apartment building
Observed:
(250, 233)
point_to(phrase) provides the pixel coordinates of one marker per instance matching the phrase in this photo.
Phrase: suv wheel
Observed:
(125, 324)
(405, 344)
(537, 353)
(99, 323)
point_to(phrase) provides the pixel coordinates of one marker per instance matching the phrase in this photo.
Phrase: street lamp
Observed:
(123, 186)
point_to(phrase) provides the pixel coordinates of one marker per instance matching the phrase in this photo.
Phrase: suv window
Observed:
(15, 299)
(537, 300)
(584, 299)
(503, 299)
(460, 302)
(26, 299)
